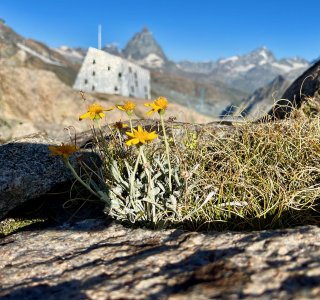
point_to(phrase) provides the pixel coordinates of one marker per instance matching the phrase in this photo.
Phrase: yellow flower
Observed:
(119, 125)
(95, 112)
(140, 136)
(160, 105)
(64, 150)
(128, 107)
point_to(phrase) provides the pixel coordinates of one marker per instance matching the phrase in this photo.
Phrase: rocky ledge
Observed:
(95, 260)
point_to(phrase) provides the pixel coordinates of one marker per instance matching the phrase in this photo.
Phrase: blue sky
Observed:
(197, 30)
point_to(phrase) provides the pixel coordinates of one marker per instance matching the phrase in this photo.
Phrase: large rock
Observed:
(90, 260)
(27, 170)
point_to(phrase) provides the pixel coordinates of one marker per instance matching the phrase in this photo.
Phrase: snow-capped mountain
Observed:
(144, 49)
(248, 72)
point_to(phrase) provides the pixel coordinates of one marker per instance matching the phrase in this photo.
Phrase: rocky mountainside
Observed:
(196, 95)
(75, 55)
(305, 88)
(17, 51)
(261, 101)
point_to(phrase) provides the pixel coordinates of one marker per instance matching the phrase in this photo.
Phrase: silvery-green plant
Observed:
(143, 194)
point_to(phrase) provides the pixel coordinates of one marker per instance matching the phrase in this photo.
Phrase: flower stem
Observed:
(133, 175)
(130, 122)
(74, 173)
(151, 213)
(167, 150)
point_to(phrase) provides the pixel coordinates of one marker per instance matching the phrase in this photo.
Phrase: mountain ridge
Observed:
(246, 72)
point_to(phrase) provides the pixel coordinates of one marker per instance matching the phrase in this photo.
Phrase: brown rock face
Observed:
(92, 260)
(36, 98)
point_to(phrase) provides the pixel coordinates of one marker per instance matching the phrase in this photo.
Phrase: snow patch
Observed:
(36, 54)
(230, 59)
(263, 53)
(262, 62)
(69, 52)
(298, 65)
(244, 68)
(152, 60)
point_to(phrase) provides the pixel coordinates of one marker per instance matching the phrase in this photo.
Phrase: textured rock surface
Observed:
(90, 260)
(28, 171)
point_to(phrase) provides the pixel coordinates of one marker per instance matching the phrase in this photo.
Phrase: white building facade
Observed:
(105, 73)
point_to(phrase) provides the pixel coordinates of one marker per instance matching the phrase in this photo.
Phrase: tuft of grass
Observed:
(12, 225)
(260, 176)
(250, 176)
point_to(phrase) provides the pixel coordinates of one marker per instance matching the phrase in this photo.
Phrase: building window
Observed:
(93, 88)
(132, 89)
(93, 73)
(130, 70)
(94, 61)
(115, 88)
(120, 75)
(136, 83)
(135, 75)
(85, 81)
(109, 68)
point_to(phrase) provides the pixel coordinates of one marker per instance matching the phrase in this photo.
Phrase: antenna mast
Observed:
(99, 36)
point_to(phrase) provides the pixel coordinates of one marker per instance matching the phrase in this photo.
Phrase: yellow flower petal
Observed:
(131, 134)
(149, 113)
(64, 150)
(101, 115)
(159, 105)
(140, 136)
(133, 141)
(95, 112)
(86, 115)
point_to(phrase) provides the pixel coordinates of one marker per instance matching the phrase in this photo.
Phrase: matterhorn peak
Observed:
(143, 45)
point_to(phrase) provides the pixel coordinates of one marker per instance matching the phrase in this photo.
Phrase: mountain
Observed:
(261, 101)
(18, 51)
(247, 72)
(166, 78)
(144, 49)
(305, 87)
(204, 98)
(209, 86)
(112, 49)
